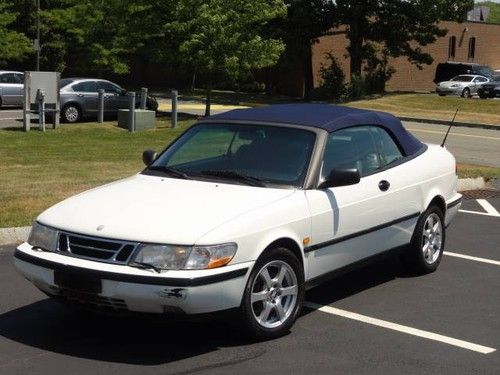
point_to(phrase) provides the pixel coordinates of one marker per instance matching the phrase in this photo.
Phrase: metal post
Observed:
(144, 95)
(57, 110)
(27, 103)
(131, 111)
(175, 95)
(100, 106)
(40, 95)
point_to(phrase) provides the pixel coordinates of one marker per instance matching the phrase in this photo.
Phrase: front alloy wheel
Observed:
(273, 295)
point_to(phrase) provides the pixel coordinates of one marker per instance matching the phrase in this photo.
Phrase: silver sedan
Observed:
(11, 88)
(464, 85)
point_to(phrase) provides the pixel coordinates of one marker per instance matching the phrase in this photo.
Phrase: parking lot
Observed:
(374, 320)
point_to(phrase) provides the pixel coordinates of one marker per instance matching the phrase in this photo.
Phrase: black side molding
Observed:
(360, 233)
(137, 279)
(454, 203)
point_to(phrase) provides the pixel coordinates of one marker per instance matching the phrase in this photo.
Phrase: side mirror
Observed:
(341, 177)
(149, 156)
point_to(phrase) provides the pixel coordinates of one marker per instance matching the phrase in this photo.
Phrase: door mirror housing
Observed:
(149, 156)
(341, 177)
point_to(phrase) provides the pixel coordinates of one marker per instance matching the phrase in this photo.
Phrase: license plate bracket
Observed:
(79, 281)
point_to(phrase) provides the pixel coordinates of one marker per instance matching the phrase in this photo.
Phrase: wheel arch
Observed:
(287, 243)
(439, 201)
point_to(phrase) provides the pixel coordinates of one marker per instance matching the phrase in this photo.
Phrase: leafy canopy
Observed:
(13, 45)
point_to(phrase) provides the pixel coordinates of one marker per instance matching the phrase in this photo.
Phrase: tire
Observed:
(71, 113)
(466, 93)
(263, 318)
(420, 258)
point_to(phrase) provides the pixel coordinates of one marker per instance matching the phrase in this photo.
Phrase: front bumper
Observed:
(127, 288)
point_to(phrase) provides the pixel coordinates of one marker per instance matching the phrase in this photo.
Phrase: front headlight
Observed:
(43, 237)
(168, 257)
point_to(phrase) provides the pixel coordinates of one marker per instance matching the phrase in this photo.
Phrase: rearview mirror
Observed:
(341, 177)
(149, 156)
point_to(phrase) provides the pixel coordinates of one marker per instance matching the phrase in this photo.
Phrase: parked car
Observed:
(11, 88)
(245, 210)
(464, 85)
(490, 89)
(79, 98)
(446, 71)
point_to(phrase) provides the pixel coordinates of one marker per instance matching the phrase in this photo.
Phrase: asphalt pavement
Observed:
(375, 320)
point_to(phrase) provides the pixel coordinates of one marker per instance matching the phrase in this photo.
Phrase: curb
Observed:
(445, 122)
(465, 184)
(14, 235)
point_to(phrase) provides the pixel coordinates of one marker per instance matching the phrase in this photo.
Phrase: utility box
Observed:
(144, 119)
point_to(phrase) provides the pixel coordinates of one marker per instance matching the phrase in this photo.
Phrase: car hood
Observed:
(159, 210)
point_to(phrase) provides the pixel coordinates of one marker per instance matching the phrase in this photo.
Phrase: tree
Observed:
(305, 23)
(13, 45)
(94, 36)
(400, 27)
(224, 37)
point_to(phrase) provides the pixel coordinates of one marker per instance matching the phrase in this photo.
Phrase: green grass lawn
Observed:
(39, 169)
(433, 106)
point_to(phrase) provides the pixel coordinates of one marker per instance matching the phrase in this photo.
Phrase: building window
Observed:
(472, 47)
(451, 47)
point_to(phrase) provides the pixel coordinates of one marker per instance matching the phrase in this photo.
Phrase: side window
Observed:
(351, 148)
(8, 78)
(4, 78)
(109, 87)
(87, 86)
(388, 149)
(20, 78)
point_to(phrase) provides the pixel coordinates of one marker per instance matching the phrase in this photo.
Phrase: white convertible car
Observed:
(246, 210)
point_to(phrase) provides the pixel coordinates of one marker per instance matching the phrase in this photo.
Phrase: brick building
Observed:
(475, 42)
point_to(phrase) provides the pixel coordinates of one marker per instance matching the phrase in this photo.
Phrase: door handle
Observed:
(384, 185)
(80, 95)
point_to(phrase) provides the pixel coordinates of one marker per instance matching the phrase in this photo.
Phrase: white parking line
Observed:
(490, 210)
(488, 207)
(401, 328)
(468, 257)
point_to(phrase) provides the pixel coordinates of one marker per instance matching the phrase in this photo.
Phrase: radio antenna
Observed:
(449, 128)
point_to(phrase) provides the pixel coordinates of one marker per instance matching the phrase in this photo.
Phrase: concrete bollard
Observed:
(175, 95)
(100, 106)
(131, 111)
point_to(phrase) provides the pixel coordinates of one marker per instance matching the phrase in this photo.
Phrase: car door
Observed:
(85, 94)
(114, 97)
(350, 223)
(12, 89)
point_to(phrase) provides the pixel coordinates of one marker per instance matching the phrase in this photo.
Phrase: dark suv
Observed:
(490, 89)
(446, 71)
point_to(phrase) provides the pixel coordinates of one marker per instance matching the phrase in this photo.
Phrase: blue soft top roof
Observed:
(324, 116)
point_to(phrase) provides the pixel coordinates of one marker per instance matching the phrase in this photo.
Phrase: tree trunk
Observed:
(193, 81)
(209, 96)
(308, 71)
(355, 46)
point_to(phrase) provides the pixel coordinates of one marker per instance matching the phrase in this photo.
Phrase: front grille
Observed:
(95, 248)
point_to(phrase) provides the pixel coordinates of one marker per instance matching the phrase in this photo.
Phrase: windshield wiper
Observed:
(144, 266)
(169, 170)
(232, 175)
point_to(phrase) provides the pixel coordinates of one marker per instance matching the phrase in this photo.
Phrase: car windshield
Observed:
(244, 154)
(65, 82)
(462, 78)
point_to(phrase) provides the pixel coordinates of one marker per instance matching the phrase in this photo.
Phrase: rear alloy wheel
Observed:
(466, 93)
(71, 113)
(427, 245)
(274, 294)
